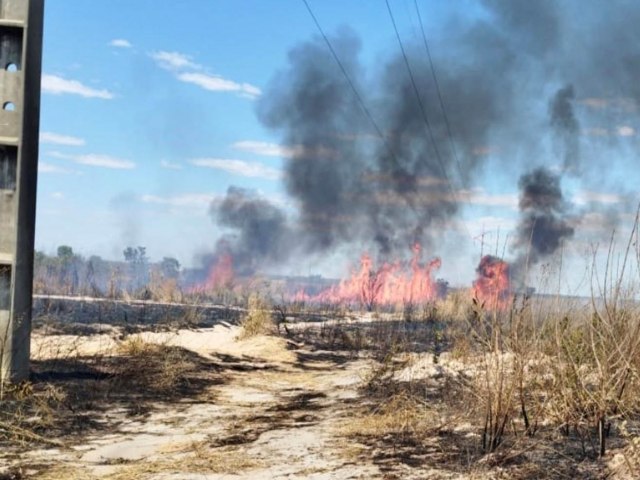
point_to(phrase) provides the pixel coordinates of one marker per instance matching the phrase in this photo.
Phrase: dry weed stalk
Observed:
(401, 413)
(598, 357)
(259, 318)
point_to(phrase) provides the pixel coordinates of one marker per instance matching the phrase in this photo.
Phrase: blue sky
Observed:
(149, 114)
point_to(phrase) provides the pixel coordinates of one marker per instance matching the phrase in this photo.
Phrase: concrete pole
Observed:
(21, 24)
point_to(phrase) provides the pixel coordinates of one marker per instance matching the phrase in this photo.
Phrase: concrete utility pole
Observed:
(20, 70)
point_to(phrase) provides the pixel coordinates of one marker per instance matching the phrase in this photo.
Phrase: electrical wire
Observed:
(423, 111)
(352, 85)
(438, 92)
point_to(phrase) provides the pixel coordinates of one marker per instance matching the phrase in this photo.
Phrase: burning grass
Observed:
(477, 382)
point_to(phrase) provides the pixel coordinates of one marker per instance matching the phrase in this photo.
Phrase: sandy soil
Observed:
(277, 415)
(266, 407)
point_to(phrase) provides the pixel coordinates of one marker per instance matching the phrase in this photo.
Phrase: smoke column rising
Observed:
(497, 74)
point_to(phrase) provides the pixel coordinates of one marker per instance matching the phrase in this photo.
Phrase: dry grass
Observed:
(70, 390)
(158, 368)
(193, 458)
(26, 413)
(259, 318)
(402, 414)
(540, 382)
(198, 458)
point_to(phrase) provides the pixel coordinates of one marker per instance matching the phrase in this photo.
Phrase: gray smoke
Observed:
(389, 190)
(389, 185)
(544, 222)
(260, 233)
(567, 128)
(314, 107)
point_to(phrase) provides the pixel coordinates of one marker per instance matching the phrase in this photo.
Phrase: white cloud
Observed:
(96, 160)
(105, 161)
(268, 149)
(624, 104)
(584, 197)
(216, 83)
(626, 131)
(174, 60)
(480, 197)
(170, 165)
(58, 86)
(595, 102)
(186, 200)
(183, 67)
(57, 195)
(57, 139)
(239, 167)
(285, 151)
(120, 43)
(44, 167)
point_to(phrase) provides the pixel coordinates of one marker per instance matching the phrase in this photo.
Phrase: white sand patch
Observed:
(423, 367)
(49, 347)
(136, 448)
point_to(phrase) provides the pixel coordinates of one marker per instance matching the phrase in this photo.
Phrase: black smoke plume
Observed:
(544, 222)
(567, 128)
(259, 235)
(389, 176)
(394, 171)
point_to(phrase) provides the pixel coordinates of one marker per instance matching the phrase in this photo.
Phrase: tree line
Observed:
(68, 273)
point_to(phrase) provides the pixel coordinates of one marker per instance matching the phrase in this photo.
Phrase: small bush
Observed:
(156, 368)
(259, 318)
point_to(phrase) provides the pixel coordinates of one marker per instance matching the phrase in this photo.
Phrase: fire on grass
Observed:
(390, 284)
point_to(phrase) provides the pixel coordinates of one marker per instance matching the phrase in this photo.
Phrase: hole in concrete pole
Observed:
(9, 106)
(11, 46)
(11, 67)
(8, 164)
(5, 287)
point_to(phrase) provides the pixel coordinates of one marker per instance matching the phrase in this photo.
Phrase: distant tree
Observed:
(137, 255)
(96, 273)
(442, 287)
(137, 260)
(39, 259)
(65, 252)
(170, 268)
(68, 264)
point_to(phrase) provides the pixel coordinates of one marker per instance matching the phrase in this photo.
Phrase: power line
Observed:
(415, 89)
(351, 84)
(438, 92)
(368, 113)
(423, 110)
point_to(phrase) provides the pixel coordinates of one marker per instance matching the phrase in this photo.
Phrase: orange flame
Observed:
(221, 274)
(492, 287)
(389, 284)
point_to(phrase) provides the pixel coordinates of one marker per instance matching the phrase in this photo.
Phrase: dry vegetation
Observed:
(258, 319)
(69, 392)
(194, 458)
(544, 389)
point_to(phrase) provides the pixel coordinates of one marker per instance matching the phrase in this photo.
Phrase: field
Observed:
(146, 390)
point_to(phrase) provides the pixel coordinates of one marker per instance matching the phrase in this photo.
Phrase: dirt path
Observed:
(278, 414)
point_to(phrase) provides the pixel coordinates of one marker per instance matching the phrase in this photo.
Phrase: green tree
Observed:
(170, 268)
(68, 269)
(65, 252)
(137, 259)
